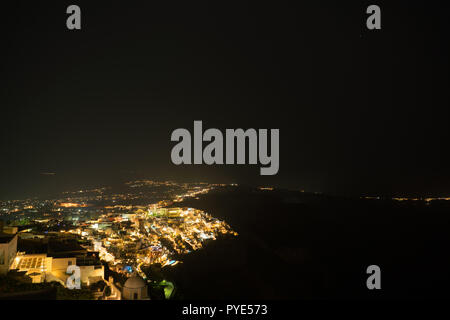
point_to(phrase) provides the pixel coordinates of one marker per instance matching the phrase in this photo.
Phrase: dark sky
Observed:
(359, 111)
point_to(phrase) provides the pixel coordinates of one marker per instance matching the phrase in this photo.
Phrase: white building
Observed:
(42, 268)
(8, 250)
(135, 288)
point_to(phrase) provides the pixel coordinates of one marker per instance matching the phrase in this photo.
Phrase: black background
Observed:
(359, 111)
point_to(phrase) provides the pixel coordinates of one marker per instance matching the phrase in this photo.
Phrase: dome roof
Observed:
(135, 282)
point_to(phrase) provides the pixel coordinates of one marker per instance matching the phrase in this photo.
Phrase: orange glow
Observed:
(72, 205)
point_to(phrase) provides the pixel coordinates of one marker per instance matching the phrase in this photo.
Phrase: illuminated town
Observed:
(135, 241)
(98, 228)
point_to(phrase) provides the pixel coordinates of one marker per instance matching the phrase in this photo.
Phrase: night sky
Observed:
(359, 111)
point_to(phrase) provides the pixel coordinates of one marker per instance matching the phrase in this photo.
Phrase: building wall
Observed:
(3, 258)
(129, 293)
(8, 252)
(91, 272)
(61, 264)
(10, 230)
